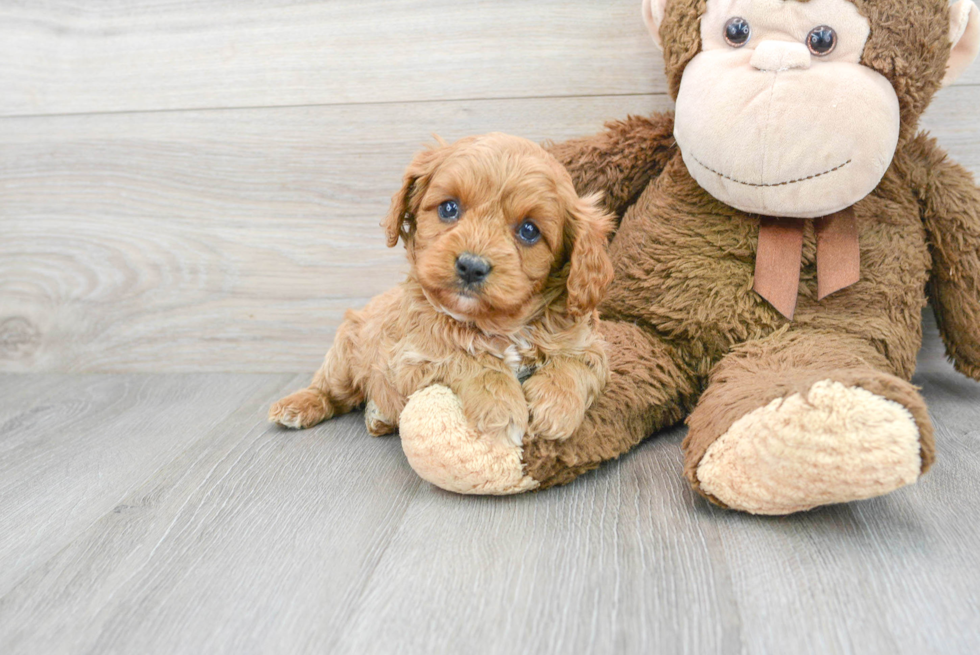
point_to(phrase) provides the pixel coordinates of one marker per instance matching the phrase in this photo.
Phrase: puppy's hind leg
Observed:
(302, 409)
(377, 424)
(332, 392)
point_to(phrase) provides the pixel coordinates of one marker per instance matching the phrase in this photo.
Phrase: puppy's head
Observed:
(494, 228)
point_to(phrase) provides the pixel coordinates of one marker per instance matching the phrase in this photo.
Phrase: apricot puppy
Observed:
(508, 264)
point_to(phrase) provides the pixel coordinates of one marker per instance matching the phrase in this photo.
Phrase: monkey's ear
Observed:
(964, 33)
(400, 221)
(591, 271)
(653, 16)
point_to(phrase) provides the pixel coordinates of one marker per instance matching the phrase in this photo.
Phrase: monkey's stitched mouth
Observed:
(774, 184)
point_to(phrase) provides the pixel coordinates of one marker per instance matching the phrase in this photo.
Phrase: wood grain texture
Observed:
(235, 240)
(197, 186)
(643, 565)
(216, 240)
(83, 443)
(618, 563)
(19, 394)
(259, 540)
(59, 57)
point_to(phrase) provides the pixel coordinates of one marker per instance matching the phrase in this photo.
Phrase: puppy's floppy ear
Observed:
(591, 270)
(400, 220)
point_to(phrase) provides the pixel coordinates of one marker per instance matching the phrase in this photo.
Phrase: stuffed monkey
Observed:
(778, 234)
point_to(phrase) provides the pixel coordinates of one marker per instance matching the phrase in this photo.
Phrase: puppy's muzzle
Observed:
(472, 270)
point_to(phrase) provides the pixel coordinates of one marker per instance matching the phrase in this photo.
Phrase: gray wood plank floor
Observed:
(168, 517)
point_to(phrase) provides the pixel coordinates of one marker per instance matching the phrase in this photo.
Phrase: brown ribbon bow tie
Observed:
(777, 262)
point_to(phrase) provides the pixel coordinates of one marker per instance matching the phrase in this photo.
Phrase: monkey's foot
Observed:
(835, 445)
(444, 450)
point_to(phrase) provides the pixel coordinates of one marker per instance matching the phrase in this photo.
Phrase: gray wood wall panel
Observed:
(217, 240)
(108, 56)
(234, 240)
(105, 56)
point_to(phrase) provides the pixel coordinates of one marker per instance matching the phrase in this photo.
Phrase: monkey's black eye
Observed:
(737, 32)
(449, 211)
(528, 232)
(822, 41)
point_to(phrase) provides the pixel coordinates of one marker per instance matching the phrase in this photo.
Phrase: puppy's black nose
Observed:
(472, 269)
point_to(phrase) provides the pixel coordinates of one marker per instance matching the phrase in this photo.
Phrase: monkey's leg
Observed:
(802, 419)
(648, 391)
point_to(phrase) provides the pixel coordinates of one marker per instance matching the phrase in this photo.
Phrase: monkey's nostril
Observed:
(472, 269)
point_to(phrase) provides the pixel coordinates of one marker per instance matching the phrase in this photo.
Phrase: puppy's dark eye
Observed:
(822, 40)
(449, 211)
(529, 233)
(737, 32)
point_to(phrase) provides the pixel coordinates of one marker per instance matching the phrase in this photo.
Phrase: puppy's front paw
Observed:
(493, 410)
(492, 418)
(555, 412)
(301, 410)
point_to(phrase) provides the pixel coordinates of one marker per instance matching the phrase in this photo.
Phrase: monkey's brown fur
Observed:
(687, 336)
(535, 311)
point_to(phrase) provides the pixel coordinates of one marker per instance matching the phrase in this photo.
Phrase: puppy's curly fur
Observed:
(531, 318)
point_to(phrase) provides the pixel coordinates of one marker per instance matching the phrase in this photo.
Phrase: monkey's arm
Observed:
(950, 201)
(620, 161)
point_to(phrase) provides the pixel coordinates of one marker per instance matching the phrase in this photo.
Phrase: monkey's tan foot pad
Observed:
(835, 445)
(444, 450)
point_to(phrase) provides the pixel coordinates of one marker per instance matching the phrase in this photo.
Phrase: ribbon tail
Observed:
(777, 263)
(838, 252)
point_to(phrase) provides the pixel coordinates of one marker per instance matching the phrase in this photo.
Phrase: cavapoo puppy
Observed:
(508, 264)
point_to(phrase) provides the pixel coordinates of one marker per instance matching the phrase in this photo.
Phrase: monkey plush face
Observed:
(777, 115)
(788, 108)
